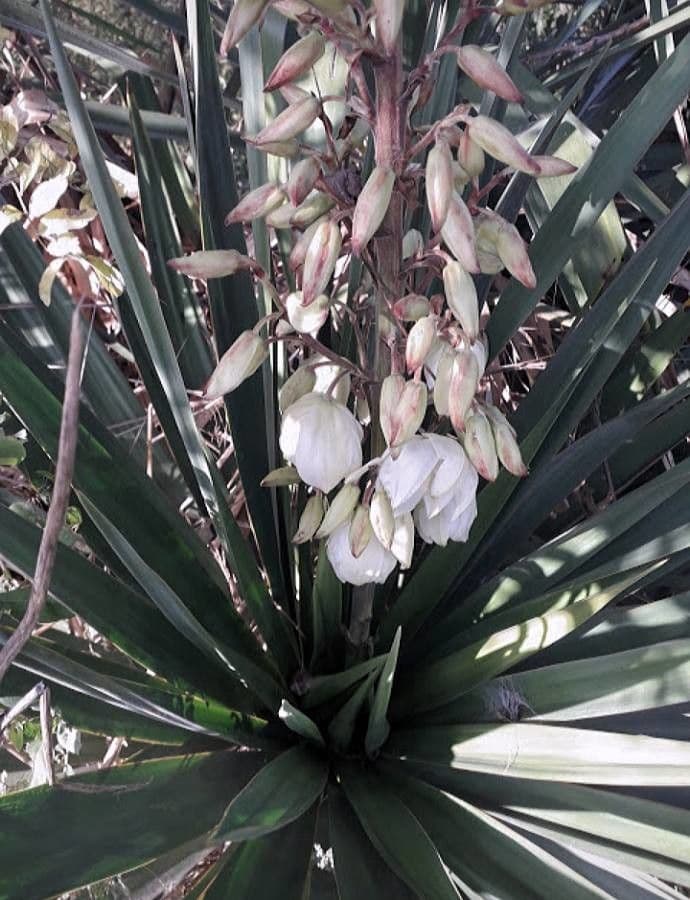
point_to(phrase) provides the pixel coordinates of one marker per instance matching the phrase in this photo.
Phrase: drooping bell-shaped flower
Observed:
(307, 319)
(322, 439)
(373, 565)
(448, 507)
(405, 479)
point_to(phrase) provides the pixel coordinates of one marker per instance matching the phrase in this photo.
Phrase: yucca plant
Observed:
(345, 675)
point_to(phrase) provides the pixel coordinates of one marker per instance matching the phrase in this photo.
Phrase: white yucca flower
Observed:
(374, 564)
(322, 439)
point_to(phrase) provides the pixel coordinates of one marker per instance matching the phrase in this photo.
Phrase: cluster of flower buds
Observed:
(392, 439)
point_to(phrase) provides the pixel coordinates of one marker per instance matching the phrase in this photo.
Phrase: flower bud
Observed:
(439, 183)
(309, 521)
(487, 227)
(513, 253)
(340, 509)
(240, 361)
(413, 243)
(307, 319)
(461, 296)
(553, 166)
(286, 149)
(444, 374)
(402, 408)
(211, 263)
(360, 532)
(256, 204)
(321, 257)
(411, 307)
(402, 545)
(470, 155)
(389, 14)
(290, 122)
(460, 177)
(291, 93)
(281, 477)
(484, 70)
(301, 245)
(316, 204)
(297, 385)
(497, 141)
(371, 207)
(302, 179)
(297, 60)
(381, 518)
(419, 342)
(243, 16)
(463, 386)
(506, 444)
(282, 216)
(458, 234)
(480, 446)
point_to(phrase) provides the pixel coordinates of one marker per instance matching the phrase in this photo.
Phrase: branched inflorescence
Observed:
(413, 390)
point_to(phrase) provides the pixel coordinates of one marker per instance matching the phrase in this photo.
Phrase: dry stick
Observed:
(58, 505)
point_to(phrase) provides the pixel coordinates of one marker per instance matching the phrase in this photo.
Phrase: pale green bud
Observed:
(463, 386)
(480, 445)
(458, 234)
(316, 204)
(419, 342)
(381, 518)
(310, 519)
(371, 207)
(240, 361)
(301, 382)
(340, 510)
(497, 141)
(281, 477)
(461, 296)
(360, 532)
(321, 257)
(439, 183)
(470, 155)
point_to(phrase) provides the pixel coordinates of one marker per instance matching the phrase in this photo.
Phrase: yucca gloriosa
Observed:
(485, 724)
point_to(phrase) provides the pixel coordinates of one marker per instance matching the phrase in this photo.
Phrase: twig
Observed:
(55, 519)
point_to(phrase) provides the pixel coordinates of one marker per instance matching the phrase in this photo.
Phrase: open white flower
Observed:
(373, 565)
(405, 479)
(448, 508)
(322, 439)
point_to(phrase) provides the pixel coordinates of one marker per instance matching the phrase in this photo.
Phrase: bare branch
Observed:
(55, 519)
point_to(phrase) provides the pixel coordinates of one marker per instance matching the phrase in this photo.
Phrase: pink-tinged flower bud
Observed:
(439, 183)
(461, 296)
(340, 510)
(463, 386)
(281, 217)
(402, 408)
(389, 14)
(553, 166)
(411, 307)
(460, 177)
(480, 445)
(482, 68)
(285, 149)
(316, 204)
(290, 122)
(307, 319)
(309, 521)
(301, 245)
(444, 374)
(381, 518)
(281, 477)
(360, 531)
(419, 342)
(297, 385)
(470, 155)
(458, 234)
(413, 243)
(371, 208)
(291, 93)
(243, 16)
(211, 263)
(487, 226)
(256, 204)
(240, 361)
(513, 253)
(297, 60)
(497, 141)
(291, 9)
(319, 262)
(302, 179)
(506, 443)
